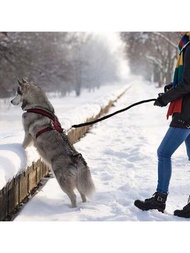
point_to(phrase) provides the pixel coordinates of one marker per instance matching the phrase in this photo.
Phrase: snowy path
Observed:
(121, 152)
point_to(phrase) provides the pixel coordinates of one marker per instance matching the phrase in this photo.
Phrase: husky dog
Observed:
(43, 128)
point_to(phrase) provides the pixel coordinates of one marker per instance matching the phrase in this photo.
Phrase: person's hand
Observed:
(168, 87)
(159, 101)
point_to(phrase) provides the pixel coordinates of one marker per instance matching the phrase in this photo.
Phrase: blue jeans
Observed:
(172, 140)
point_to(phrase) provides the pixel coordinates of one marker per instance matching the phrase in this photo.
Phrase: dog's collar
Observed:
(56, 124)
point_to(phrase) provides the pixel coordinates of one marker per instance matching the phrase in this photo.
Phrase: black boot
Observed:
(184, 213)
(157, 201)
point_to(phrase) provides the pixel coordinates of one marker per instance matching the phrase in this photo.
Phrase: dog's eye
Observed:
(19, 91)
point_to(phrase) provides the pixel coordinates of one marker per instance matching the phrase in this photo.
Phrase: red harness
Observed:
(56, 124)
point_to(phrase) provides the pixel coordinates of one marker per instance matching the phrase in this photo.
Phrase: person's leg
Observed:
(187, 143)
(171, 141)
(185, 211)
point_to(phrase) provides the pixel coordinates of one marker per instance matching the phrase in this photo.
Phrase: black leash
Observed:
(114, 113)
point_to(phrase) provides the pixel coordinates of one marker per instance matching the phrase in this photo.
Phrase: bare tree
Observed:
(57, 61)
(152, 54)
(40, 57)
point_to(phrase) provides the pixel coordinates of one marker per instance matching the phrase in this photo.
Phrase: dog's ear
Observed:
(19, 82)
(24, 80)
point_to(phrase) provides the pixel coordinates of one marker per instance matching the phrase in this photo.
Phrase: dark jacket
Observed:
(182, 89)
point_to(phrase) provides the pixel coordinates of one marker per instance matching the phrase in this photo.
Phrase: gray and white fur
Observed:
(68, 166)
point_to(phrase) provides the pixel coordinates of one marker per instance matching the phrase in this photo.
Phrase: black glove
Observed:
(168, 87)
(159, 101)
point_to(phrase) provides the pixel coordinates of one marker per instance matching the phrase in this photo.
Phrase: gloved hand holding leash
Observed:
(159, 101)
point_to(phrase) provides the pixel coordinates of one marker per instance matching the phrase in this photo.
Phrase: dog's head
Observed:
(30, 95)
(22, 89)
(19, 93)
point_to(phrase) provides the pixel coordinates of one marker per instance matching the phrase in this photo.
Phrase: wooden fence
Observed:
(16, 192)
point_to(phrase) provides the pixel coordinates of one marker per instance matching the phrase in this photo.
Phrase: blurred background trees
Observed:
(70, 61)
(57, 61)
(151, 54)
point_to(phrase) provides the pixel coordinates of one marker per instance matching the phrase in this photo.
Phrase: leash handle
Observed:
(114, 113)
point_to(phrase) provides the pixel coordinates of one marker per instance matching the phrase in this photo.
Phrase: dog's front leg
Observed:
(27, 140)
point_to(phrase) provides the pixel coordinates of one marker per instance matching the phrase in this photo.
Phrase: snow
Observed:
(121, 154)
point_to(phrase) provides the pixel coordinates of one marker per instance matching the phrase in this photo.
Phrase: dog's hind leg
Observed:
(72, 196)
(83, 197)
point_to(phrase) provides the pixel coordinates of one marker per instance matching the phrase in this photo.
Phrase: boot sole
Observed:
(182, 215)
(141, 206)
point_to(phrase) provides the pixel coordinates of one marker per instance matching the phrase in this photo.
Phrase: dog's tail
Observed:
(85, 183)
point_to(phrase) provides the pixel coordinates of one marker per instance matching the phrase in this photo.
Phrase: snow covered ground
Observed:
(121, 153)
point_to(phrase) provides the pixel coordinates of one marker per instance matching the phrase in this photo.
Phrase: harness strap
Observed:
(42, 112)
(43, 131)
(56, 124)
